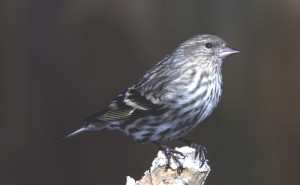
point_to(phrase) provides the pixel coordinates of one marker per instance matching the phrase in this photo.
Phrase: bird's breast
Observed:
(199, 98)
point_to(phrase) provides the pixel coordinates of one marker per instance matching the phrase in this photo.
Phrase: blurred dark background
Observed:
(64, 60)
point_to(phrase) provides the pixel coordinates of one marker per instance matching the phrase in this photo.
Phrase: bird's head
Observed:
(205, 49)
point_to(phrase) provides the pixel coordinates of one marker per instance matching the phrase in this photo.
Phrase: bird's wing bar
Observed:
(116, 110)
(134, 99)
(123, 107)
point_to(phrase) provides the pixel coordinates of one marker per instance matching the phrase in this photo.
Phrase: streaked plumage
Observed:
(172, 98)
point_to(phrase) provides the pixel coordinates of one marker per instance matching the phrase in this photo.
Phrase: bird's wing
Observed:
(124, 107)
(135, 99)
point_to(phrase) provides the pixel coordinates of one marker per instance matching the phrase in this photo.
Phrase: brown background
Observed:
(64, 60)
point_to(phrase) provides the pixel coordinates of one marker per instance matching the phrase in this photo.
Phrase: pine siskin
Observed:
(171, 99)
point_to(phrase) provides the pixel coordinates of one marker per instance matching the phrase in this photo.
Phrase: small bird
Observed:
(171, 99)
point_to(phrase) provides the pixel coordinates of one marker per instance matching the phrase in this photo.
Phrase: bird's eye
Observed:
(208, 45)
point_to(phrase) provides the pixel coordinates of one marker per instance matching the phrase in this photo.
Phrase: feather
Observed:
(123, 107)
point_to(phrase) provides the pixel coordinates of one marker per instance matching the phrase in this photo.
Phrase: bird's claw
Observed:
(171, 153)
(200, 150)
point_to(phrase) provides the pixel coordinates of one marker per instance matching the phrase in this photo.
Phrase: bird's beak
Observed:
(224, 52)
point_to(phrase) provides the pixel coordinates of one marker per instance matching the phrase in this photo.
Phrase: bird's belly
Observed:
(177, 121)
(171, 125)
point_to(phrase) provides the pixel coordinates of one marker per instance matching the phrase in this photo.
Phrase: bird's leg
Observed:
(171, 153)
(200, 149)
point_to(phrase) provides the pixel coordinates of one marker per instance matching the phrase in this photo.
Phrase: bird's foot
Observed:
(200, 150)
(171, 153)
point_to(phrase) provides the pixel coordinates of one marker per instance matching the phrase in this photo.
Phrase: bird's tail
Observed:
(72, 134)
(90, 126)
